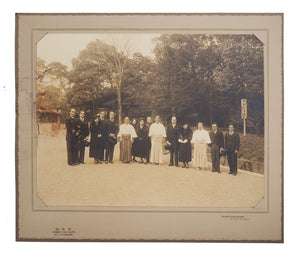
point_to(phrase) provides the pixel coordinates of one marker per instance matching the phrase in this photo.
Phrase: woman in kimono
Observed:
(185, 148)
(126, 136)
(200, 140)
(97, 138)
(141, 146)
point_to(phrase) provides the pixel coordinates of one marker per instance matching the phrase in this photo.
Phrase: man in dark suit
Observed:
(232, 146)
(111, 132)
(216, 145)
(83, 133)
(172, 140)
(72, 138)
(148, 140)
(102, 141)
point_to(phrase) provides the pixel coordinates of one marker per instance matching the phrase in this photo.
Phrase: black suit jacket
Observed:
(111, 127)
(232, 142)
(173, 134)
(72, 127)
(83, 128)
(217, 138)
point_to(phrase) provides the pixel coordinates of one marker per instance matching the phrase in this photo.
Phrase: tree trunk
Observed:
(119, 101)
(211, 102)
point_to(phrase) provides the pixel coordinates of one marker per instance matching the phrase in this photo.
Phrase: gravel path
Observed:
(137, 184)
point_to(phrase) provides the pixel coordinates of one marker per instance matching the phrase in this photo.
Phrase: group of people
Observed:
(145, 140)
(102, 133)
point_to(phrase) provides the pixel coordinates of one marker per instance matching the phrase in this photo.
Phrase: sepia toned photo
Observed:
(150, 120)
(128, 123)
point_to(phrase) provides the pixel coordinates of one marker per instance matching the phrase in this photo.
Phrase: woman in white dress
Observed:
(200, 140)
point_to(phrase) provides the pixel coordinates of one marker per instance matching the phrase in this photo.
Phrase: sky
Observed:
(63, 47)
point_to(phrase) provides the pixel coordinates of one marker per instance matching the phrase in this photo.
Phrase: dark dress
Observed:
(185, 149)
(140, 143)
(134, 143)
(97, 143)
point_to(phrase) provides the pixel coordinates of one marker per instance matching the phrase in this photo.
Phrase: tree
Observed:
(241, 75)
(97, 67)
(205, 76)
(195, 76)
(51, 83)
(138, 82)
(184, 65)
(119, 60)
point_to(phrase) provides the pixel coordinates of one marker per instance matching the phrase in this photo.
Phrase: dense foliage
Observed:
(197, 77)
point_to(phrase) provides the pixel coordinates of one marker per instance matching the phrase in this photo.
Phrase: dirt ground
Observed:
(137, 184)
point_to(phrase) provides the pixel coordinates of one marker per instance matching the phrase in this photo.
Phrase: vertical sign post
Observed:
(244, 113)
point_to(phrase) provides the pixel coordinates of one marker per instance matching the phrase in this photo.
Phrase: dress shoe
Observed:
(171, 164)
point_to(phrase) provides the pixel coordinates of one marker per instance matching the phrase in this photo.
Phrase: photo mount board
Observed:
(35, 221)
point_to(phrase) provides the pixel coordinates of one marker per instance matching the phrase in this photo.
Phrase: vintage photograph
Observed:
(149, 127)
(150, 119)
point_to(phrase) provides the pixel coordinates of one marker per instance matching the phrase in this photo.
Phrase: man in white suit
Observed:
(157, 133)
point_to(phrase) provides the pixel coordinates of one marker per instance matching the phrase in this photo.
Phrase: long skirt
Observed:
(96, 148)
(125, 148)
(200, 157)
(156, 155)
(134, 150)
(140, 148)
(185, 154)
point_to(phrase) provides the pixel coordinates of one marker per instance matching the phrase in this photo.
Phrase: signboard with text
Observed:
(244, 108)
